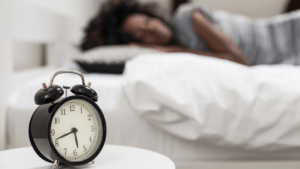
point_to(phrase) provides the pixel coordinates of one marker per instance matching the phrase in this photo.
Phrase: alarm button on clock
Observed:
(85, 91)
(45, 96)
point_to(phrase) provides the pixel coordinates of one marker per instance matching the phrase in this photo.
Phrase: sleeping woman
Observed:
(196, 29)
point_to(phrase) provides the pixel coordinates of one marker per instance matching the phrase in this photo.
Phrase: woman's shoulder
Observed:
(183, 28)
(184, 11)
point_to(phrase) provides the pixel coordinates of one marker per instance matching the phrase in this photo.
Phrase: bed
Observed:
(127, 126)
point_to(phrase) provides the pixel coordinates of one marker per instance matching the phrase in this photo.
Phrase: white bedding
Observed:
(127, 127)
(196, 98)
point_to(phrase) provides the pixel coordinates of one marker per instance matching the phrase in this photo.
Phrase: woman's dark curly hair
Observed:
(104, 29)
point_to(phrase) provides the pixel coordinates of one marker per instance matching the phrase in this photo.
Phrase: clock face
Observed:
(76, 130)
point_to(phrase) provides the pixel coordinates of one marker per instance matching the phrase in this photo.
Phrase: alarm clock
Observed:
(70, 130)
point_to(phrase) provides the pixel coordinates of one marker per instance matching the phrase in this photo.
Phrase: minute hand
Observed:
(64, 135)
(76, 140)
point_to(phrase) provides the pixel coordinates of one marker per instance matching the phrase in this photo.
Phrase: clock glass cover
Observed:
(76, 130)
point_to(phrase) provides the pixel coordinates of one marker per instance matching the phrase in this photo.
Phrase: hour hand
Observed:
(64, 135)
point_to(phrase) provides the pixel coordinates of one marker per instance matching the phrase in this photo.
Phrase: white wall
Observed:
(34, 24)
(26, 55)
(164, 5)
(52, 20)
(49, 22)
(6, 62)
(252, 8)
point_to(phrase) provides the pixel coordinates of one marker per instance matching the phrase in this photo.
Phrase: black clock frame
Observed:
(54, 154)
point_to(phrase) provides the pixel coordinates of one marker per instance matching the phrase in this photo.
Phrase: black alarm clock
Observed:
(70, 130)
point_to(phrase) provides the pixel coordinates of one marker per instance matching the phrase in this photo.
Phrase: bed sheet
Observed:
(125, 126)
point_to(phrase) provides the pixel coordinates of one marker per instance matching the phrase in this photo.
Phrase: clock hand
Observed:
(74, 130)
(76, 139)
(64, 135)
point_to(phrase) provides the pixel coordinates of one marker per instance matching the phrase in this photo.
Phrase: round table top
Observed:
(111, 157)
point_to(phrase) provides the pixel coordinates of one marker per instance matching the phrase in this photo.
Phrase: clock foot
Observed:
(93, 161)
(55, 164)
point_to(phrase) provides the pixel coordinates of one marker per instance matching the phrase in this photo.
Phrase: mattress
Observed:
(125, 125)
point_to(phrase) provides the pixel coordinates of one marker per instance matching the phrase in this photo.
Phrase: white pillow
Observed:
(197, 97)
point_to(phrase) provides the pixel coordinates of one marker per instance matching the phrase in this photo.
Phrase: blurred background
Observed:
(38, 33)
(42, 30)
(35, 33)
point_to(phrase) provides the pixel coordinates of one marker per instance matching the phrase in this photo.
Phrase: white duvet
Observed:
(196, 97)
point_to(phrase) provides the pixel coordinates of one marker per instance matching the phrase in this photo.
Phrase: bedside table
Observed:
(111, 157)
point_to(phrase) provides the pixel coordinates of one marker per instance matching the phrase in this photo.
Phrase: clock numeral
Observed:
(56, 120)
(63, 112)
(92, 129)
(81, 109)
(52, 132)
(84, 149)
(65, 150)
(90, 139)
(89, 116)
(56, 143)
(72, 107)
(74, 152)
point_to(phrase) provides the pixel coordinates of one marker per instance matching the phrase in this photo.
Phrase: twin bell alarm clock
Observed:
(70, 130)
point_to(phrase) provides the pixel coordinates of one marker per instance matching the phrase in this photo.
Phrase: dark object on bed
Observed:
(292, 5)
(102, 68)
(109, 59)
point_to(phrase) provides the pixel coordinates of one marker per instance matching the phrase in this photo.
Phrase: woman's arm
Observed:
(222, 47)
(219, 43)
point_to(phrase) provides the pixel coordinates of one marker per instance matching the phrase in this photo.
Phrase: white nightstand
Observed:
(111, 157)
